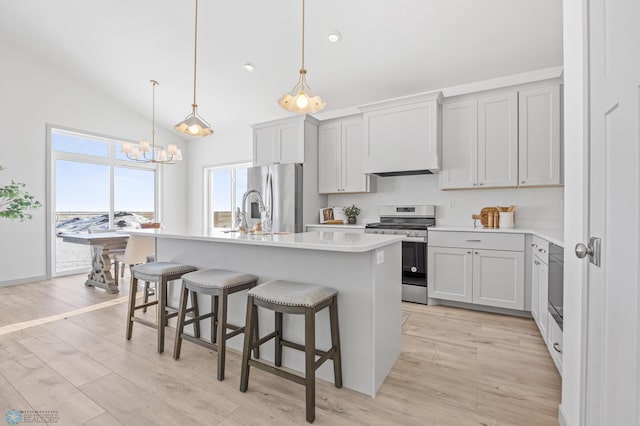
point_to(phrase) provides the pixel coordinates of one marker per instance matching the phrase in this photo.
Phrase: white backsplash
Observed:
(537, 207)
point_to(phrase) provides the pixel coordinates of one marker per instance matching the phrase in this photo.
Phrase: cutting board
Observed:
(484, 215)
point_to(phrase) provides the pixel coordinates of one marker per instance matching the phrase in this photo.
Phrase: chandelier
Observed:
(145, 153)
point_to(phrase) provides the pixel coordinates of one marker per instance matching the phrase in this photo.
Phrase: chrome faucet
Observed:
(244, 224)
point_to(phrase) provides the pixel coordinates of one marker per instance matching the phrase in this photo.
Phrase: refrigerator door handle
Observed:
(269, 195)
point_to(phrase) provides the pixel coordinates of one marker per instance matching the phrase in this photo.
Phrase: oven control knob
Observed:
(408, 234)
(375, 232)
(414, 269)
(395, 232)
(415, 234)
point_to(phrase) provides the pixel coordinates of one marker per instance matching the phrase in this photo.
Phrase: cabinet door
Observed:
(329, 158)
(498, 140)
(539, 136)
(459, 145)
(535, 290)
(353, 180)
(264, 146)
(554, 344)
(498, 278)
(544, 317)
(290, 141)
(449, 274)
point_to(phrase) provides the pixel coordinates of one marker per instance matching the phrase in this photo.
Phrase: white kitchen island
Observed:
(365, 269)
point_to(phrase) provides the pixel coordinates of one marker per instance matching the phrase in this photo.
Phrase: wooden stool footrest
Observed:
(264, 339)
(151, 324)
(198, 341)
(145, 305)
(277, 371)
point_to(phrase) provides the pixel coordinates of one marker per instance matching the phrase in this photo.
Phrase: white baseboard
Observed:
(562, 418)
(22, 281)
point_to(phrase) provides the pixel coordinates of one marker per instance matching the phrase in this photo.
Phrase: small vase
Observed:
(351, 220)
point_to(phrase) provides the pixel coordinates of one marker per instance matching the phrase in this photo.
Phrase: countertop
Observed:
(325, 240)
(552, 235)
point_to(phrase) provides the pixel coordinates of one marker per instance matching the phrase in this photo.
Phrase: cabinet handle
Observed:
(541, 250)
(475, 184)
(556, 347)
(524, 181)
(476, 252)
(481, 183)
(473, 241)
(534, 245)
(468, 252)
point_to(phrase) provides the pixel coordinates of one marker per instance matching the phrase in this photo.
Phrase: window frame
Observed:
(110, 160)
(208, 191)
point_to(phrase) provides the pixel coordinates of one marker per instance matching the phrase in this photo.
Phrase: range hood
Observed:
(404, 173)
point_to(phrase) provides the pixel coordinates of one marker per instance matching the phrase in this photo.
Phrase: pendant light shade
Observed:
(194, 124)
(299, 99)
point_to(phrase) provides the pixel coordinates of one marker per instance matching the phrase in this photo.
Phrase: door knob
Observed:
(592, 250)
(582, 251)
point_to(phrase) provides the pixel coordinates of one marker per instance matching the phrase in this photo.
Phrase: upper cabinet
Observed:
(539, 136)
(502, 138)
(340, 157)
(402, 135)
(282, 141)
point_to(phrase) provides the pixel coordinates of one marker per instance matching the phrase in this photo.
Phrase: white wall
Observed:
(34, 94)
(537, 207)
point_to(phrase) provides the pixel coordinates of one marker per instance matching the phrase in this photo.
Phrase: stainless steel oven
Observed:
(556, 283)
(412, 222)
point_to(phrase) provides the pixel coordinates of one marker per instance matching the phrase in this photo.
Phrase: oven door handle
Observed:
(414, 240)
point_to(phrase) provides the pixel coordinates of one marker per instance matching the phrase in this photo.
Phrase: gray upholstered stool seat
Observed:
(293, 298)
(161, 273)
(219, 284)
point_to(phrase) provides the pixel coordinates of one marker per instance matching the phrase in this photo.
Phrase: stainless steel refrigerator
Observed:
(281, 188)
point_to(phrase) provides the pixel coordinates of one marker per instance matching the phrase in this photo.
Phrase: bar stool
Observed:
(138, 250)
(285, 297)
(219, 284)
(160, 273)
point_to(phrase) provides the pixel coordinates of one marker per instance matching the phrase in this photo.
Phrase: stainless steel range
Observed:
(412, 222)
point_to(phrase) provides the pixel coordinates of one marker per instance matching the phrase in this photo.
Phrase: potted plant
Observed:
(351, 212)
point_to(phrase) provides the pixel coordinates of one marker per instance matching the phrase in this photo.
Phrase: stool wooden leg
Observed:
(162, 312)
(278, 340)
(182, 313)
(145, 295)
(214, 318)
(196, 313)
(335, 342)
(246, 347)
(310, 363)
(132, 303)
(222, 333)
(256, 333)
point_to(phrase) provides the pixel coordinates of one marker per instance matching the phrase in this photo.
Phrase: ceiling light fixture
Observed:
(194, 124)
(248, 66)
(298, 100)
(139, 152)
(334, 36)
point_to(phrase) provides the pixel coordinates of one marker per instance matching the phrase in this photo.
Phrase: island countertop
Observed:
(316, 240)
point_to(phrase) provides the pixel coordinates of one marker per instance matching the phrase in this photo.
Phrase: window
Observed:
(94, 188)
(225, 187)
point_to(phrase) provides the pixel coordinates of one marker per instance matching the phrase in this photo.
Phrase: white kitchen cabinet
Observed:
(540, 284)
(402, 135)
(479, 268)
(340, 157)
(450, 273)
(540, 150)
(282, 141)
(480, 142)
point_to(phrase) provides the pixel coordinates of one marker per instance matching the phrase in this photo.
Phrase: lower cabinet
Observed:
(478, 273)
(554, 343)
(336, 228)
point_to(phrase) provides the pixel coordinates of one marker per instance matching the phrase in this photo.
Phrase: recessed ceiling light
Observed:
(248, 66)
(334, 37)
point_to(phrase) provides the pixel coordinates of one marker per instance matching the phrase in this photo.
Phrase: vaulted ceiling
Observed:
(388, 48)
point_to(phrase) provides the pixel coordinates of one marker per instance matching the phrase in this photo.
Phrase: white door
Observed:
(264, 146)
(291, 143)
(353, 180)
(450, 273)
(498, 278)
(612, 376)
(459, 145)
(329, 158)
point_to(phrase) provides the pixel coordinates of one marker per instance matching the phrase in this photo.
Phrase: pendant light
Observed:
(143, 153)
(299, 100)
(194, 124)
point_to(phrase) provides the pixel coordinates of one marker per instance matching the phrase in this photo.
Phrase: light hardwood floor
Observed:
(457, 367)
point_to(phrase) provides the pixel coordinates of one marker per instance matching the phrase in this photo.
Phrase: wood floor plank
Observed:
(457, 367)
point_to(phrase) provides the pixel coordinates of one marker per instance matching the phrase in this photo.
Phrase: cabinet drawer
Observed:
(540, 248)
(554, 343)
(477, 240)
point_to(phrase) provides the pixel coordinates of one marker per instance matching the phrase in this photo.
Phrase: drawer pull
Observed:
(556, 347)
(473, 241)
